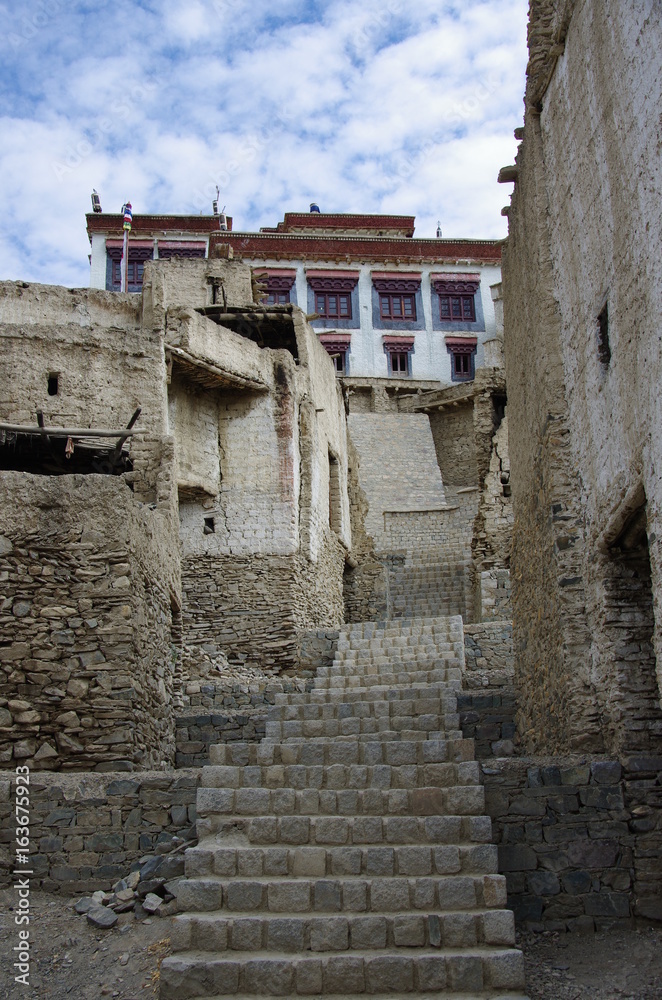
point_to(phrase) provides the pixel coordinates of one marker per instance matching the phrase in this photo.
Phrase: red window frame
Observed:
(278, 298)
(333, 305)
(135, 271)
(462, 366)
(457, 308)
(397, 306)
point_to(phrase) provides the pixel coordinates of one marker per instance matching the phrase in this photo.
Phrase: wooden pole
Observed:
(124, 285)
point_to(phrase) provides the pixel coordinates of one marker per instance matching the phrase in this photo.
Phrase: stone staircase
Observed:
(429, 590)
(347, 854)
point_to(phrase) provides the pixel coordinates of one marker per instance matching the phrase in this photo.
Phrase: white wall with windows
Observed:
(424, 319)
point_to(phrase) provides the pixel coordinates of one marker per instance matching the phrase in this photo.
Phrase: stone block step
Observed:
(324, 862)
(489, 994)
(449, 893)
(344, 776)
(355, 830)
(388, 663)
(252, 974)
(372, 696)
(388, 679)
(310, 728)
(386, 736)
(461, 800)
(339, 830)
(297, 934)
(317, 753)
(421, 705)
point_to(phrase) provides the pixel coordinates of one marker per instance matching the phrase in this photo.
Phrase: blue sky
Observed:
(370, 106)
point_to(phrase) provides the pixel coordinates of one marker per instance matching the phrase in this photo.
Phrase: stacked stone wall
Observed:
(87, 581)
(89, 830)
(580, 839)
(487, 703)
(453, 434)
(254, 607)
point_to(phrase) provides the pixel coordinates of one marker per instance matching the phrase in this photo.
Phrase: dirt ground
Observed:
(73, 961)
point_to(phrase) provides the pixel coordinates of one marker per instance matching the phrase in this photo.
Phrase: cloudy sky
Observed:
(361, 105)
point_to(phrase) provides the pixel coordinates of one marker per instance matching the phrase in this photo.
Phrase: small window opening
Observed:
(335, 503)
(53, 384)
(210, 526)
(399, 362)
(604, 349)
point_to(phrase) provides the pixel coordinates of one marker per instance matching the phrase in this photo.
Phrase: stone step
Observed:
(343, 776)
(211, 859)
(297, 934)
(389, 679)
(374, 693)
(387, 663)
(350, 830)
(424, 971)
(386, 736)
(316, 753)
(310, 728)
(337, 895)
(362, 709)
(460, 800)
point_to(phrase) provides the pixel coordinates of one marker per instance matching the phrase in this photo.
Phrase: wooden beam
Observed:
(67, 431)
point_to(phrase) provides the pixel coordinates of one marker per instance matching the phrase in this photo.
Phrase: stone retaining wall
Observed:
(580, 840)
(87, 829)
(194, 734)
(88, 581)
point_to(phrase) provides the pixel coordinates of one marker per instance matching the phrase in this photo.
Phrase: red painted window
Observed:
(134, 273)
(399, 362)
(457, 308)
(333, 305)
(278, 298)
(397, 306)
(462, 365)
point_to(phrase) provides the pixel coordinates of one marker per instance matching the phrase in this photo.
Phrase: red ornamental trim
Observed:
(331, 282)
(397, 286)
(335, 345)
(464, 345)
(137, 244)
(135, 253)
(277, 281)
(166, 253)
(455, 284)
(396, 345)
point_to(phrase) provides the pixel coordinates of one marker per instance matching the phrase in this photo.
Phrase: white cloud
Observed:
(378, 106)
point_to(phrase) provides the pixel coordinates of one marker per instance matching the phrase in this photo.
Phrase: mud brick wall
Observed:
(88, 830)
(87, 578)
(580, 840)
